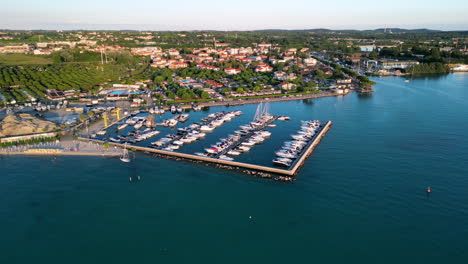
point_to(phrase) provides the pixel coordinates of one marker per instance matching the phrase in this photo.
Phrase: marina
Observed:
(233, 165)
(218, 139)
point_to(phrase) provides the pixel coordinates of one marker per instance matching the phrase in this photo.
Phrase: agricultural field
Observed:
(23, 59)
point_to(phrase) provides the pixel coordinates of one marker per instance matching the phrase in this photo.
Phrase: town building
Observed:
(15, 49)
(395, 64)
(232, 71)
(287, 86)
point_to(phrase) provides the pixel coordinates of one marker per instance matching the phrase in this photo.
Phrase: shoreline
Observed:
(272, 99)
(110, 154)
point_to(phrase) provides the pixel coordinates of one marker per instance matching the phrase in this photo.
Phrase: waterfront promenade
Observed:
(234, 101)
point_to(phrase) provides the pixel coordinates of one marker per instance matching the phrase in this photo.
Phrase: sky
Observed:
(232, 14)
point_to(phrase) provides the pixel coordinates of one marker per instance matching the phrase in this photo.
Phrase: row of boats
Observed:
(292, 150)
(242, 140)
(172, 122)
(194, 131)
(135, 136)
(174, 109)
(215, 120)
(138, 121)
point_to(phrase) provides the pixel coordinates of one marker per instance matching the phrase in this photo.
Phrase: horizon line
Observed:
(234, 30)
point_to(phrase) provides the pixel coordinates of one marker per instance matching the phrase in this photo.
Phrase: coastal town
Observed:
(87, 85)
(233, 132)
(193, 66)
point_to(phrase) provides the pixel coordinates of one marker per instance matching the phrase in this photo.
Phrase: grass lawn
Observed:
(21, 59)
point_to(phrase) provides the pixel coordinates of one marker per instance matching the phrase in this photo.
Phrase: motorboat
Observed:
(122, 126)
(243, 149)
(284, 162)
(212, 150)
(182, 117)
(285, 154)
(173, 147)
(138, 125)
(206, 128)
(248, 143)
(233, 153)
(224, 157)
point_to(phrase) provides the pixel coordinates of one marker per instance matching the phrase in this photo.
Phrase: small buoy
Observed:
(130, 178)
(250, 217)
(428, 189)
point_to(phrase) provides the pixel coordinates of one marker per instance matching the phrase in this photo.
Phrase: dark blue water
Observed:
(360, 198)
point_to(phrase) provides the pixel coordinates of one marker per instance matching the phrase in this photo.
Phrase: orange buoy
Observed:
(428, 189)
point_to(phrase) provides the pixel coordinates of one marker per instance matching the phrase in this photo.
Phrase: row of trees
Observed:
(431, 55)
(186, 93)
(435, 67)
(30, 141)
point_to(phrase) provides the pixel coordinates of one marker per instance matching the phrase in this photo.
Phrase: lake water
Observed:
(360, 198)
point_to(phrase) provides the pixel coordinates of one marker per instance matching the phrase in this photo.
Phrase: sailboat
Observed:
(125, 157)
(262, 111)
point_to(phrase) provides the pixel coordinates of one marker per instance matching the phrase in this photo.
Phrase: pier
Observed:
(263, 171)
(186, 130)
(246, 137)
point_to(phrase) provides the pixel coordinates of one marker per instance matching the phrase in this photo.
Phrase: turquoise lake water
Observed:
(360, 198)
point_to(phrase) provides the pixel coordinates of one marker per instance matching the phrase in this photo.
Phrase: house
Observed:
(42, 52)
(178, 65)
(146, 51)
(233, 51)
(344, 83)
(264, 45)
(310, 61)
(217, 44)
(263, 68)
(287, 86)
(207, 67)
(55, 95)
(173, 52)
(280, 75)
(232, 71)
(213, 84)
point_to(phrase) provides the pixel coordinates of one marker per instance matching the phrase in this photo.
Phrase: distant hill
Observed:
(324, 30)
(402, 30)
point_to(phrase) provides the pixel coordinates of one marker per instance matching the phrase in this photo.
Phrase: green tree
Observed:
(240, 90)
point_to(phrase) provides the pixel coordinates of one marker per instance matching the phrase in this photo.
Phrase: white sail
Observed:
(125, 157)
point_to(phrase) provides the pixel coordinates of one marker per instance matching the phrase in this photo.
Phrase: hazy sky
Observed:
(232, 15)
